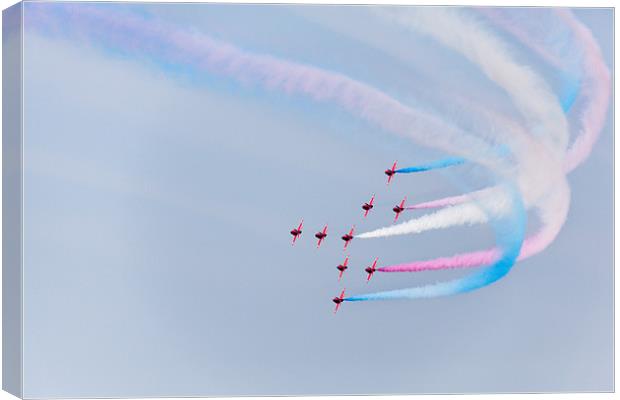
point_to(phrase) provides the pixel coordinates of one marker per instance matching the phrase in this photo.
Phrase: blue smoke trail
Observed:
(502, 150)
(442, 163)
(510, 232)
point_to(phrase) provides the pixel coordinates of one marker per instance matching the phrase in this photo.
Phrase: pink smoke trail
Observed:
(596, 88)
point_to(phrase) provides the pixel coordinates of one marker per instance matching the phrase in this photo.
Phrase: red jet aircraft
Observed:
(348, 237)
(390, 172)
(297, 231)
(321, 235)
(371, 270)
(343, 267)
(368, 206)
(338, 300)
(399, 208)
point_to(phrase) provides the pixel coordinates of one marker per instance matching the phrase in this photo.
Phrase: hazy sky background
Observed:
(158, 203)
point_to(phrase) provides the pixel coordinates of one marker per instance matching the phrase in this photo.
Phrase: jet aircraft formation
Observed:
(347, 237)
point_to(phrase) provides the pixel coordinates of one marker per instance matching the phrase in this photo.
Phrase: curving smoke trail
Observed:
(539, 165)
(509, 229)
(571, 93)
(531, 245)
(529, 92)
(567, 103)
(597, 90)
(594, 84)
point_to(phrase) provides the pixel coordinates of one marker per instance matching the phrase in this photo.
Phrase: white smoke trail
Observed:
(539, 168)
